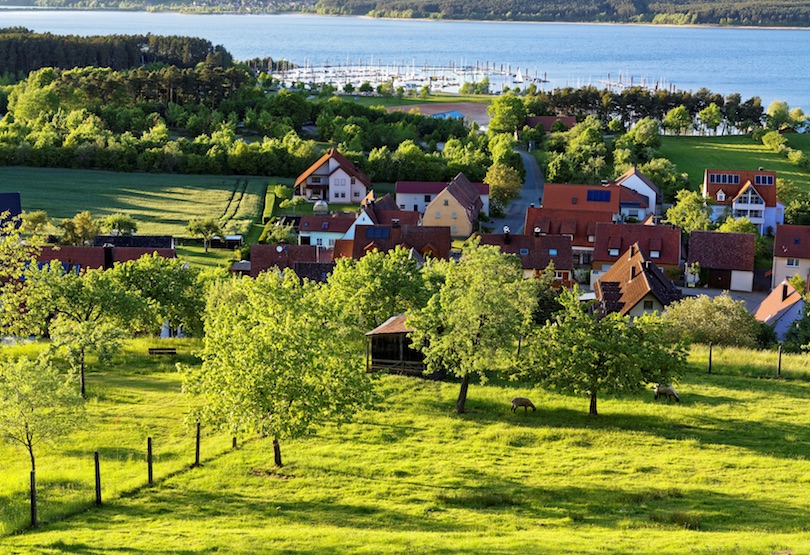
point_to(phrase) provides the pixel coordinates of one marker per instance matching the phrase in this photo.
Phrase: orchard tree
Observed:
(507, 114)
(37, 404)
(721, 320)
(275, 360)
(504, 183)
(34, 223)
(474, 322)
(583, 353)
(121, 224)
(79, 230)
(690, 212)
(207, 228)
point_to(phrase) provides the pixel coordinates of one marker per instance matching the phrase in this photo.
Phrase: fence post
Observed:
(33, 499)
(149, 458)
(234, 442)
(197, 449)
(710, 357)
(98, 478)
(779, 364)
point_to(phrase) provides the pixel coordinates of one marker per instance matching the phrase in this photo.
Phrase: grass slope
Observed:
(725, 471)
(693, 155)
(160, 203)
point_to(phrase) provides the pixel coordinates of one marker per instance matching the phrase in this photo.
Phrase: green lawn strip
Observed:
(694, 155)
(214, 258)
(438, 98)
(722, 472)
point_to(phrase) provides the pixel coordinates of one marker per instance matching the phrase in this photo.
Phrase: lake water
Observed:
(770, 63)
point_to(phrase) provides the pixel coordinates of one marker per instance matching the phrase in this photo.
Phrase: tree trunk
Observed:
(81, 373)
(462, 394)
(205, 245)
(592, 411)
(276, 452)
(33, 499)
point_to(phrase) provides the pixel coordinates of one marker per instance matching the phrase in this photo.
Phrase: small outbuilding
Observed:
(389, 349)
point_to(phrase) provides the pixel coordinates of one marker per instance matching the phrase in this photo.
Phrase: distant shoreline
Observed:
(7, 7)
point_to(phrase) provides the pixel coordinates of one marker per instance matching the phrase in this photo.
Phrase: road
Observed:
(531, 193)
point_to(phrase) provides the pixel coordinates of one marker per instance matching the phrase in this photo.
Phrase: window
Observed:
(325, 225)
(357, 194)
(453, 215)
(598, 196)
(763, 180)
(721, 196)
(613, 252)
(453, 229)
(427, 198)
(591, 238)
(655, 254)
(331, 242)
(438, 214)
(315, 180)
(342, 195)
(632, 213)
(446, 202)
(378, 233)
(552, 252)
(524, 252)
(319, 241)
(648, 305)
(793, 262)
(353, 180)
(402, 207)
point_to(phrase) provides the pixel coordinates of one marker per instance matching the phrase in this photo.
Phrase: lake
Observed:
(770, 63)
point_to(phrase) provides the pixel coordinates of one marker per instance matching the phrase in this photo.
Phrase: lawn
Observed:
(725, 471)
(693, 155)
(162, 204)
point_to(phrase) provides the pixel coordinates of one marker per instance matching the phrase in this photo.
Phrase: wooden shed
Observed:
(388, 348)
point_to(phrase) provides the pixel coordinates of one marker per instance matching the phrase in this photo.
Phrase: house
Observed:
(662, 243)
(457, 206)
(381, 211)
(547, 122)
(634, 286)
(388, 348)
(312, 260)
(791, 252)
(781, 309)
(333, 178)
(728, 258)
(423, 241)
(745, 193)
(580, 225)
(619, 201)
(78, 258)
(417, 195)
(323, 231)
(536, 251)
(639, 183)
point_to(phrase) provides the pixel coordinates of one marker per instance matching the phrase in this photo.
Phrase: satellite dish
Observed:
(279, 248)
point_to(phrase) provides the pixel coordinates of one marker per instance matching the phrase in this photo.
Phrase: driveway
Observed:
(532, 193)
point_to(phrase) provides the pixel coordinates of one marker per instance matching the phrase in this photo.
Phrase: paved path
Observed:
(531, 193)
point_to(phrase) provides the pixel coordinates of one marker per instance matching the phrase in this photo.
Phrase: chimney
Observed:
(537, 231)
(506, 238)
(532, 205)
(394, 222)
(784, 291)
(632, 272)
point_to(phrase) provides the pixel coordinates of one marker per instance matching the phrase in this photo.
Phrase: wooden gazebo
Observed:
(388, 349)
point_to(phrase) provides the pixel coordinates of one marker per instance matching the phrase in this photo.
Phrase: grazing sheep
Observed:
(522, 402)
(666, 391)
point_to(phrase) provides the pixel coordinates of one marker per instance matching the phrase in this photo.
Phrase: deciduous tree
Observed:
(721, 320)
(690, 212)
(207, 228)
(504, 183)
(121, 224)
(507, 114)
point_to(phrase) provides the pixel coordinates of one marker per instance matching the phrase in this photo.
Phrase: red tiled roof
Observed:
(777, 302)
(663, 238)
(714, 250)
(84, 257)
(420, 187)
(580, 224)
(732, 191)
(264, 257)
(331, 224)
(536, 250)
(423, 239)
(548, 121)
(575, 197)
(631, 278)
(792, 241)
(344, 164)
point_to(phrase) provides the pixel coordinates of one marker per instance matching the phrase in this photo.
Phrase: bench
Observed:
(162, 351)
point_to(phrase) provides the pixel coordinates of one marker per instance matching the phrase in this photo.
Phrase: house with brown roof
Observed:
(381, 211)
(726, 258)
(79, 258)
(580, 225)
(642, 185)
(745, 193)
(791, 252)
(781, 309)
(661, 243)
(423, 241)
(417, 195)
(536, 252)
(634, 286)
(333, 178)
(323, 230)
(457, 207)
(309, 261)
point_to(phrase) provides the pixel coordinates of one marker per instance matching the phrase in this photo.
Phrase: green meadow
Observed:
(694, 155)
(160, 203)
(726, 471)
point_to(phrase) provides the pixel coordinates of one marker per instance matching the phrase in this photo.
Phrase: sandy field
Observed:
(473, 111)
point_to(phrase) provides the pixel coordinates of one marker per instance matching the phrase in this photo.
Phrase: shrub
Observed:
(722, 321)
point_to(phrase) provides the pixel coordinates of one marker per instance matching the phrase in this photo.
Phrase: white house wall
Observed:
(742, 281)
(637, 184)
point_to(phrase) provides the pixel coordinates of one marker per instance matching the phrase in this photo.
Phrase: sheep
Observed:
(522, 402)
(666, 391)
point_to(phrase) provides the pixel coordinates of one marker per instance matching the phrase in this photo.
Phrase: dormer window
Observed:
(592, 238)
(721, 196)
(552, 252)
(524, 252)
(613, 252)
(655, 254)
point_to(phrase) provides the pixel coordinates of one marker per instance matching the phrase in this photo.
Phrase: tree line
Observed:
(23, 51)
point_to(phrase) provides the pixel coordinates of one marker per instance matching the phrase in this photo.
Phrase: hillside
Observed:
(725, 471)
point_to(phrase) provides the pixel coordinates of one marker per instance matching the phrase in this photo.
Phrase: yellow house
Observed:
(456, 207)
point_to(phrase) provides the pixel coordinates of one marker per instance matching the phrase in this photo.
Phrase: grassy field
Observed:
(693, 155)
(160, 203)
(724, 472)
